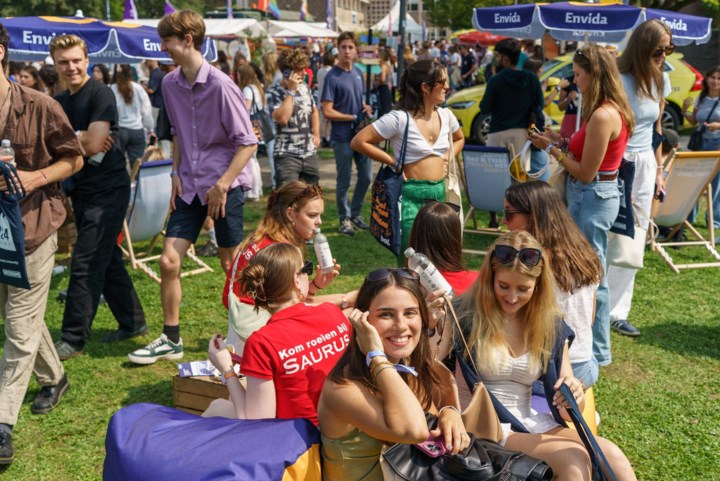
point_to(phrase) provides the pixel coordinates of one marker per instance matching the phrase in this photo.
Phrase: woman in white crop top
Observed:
(423, 86)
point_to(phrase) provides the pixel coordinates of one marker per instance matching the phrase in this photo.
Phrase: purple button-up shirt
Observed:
(211, 122)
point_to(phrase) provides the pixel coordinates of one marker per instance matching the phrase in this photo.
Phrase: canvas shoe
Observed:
(624, 327)
(160, 348)
(360, 223)
(346, 227)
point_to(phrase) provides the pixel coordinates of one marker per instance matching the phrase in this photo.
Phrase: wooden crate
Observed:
(194, 394)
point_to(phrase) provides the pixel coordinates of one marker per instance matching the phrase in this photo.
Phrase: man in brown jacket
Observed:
(46, 152)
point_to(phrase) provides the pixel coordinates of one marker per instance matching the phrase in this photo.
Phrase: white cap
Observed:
(409, 252)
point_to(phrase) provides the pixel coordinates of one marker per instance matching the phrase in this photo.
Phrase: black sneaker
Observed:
(121, 335)
(346, 227)
(66, 350)
(7, 453)
(359, 222)
(624, 327)
(49, 397)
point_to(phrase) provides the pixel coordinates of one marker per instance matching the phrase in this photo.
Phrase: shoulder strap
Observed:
(403, 149)
(712, 110)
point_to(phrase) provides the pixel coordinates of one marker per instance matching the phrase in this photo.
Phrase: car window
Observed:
(561, 73)
(667, 67)
(551, 64)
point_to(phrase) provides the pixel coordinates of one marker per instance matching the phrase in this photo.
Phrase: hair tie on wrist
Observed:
(315, 284)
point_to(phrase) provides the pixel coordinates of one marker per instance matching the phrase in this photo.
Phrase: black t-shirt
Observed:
(571, 106)
(468, 61)
(155, 84)
(96, 102)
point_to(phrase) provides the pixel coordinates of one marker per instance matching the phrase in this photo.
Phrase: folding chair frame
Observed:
(141, 261)
(660, 246)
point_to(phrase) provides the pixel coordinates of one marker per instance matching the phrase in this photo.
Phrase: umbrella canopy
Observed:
(474, 37)
(109, 42)
(585, 22)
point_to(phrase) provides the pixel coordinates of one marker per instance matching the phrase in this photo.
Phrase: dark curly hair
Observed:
(4, 41)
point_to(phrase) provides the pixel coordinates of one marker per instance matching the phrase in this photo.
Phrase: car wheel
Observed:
(480, 128)
(671, 117)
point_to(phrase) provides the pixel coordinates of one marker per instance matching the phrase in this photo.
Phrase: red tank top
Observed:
(614, 153)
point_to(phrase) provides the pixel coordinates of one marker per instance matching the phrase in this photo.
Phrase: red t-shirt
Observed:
(297, 349)
(613, 155)
(239, 264)
(461, 280)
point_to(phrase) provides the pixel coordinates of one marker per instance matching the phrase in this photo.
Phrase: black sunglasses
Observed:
(663, 50)
(384, 274)
(528, 256)
(508, 214)
(454, 207)
(307, 268)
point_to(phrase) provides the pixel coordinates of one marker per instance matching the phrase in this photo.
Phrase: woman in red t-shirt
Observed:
(293, 212)
(287, 360)
(592, 162)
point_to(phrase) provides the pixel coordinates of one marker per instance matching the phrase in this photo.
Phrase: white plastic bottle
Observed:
(322, 251)
(7, 153)
(430, 278)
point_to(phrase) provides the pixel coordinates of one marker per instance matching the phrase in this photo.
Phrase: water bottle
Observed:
(7, 153)
(430, 277)
(322, 251)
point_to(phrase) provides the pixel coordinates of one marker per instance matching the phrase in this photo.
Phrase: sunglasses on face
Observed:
(508, 214)
(384, 274)
(528, 256)
(307, 268)
(454, 207)
(663, 50)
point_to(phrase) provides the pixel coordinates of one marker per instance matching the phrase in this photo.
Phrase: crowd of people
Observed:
(371, 365)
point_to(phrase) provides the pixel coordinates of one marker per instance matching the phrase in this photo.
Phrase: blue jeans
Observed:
(270, 147)
(344, 157)
(594, 207)
(586, 371)
(709, 145)
(539, 160)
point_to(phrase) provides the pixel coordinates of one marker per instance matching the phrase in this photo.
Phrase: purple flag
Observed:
(130, 11)
(168, 8)
(229, 9)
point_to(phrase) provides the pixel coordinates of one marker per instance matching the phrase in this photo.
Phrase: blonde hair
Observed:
(181, 23)
(269, 278)
(637, 61)
(605, 83)
(270, 66)
(539, 316)
(66, 42)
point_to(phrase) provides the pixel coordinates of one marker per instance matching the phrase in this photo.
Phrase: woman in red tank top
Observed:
(592, 161)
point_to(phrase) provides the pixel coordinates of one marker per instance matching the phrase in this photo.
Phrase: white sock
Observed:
(213, 238)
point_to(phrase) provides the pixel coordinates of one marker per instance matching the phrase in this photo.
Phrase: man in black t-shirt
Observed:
(100, 193)
(468, 66)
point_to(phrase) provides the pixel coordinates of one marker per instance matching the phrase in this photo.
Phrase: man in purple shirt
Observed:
(213, 140)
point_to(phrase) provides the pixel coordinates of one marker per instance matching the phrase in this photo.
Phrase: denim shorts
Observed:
(187, 220)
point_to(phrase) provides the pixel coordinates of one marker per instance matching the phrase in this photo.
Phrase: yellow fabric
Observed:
(306, 468)
(588, 413)
(353, 457)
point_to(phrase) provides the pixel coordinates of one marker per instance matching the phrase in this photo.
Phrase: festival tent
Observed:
(412, 28)
(590, 22)
(285, 29)
(222, 28)
(109, 42)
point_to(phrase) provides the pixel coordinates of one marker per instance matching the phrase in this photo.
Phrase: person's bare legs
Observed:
(227, 256)
(619, 463)
(173, 254)
(220, 408)
(568, 459)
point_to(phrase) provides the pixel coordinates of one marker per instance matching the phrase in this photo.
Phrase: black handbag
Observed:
(385, 225)
(12, 233)
(601, 470)
(482, 460)
(696, 139)
(262, 120)
(625, 221)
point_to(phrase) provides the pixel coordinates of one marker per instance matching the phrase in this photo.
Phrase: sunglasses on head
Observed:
(506, 254)
(663, 50)
(307, 268)
(384, 274)
(312, 190)
(454, 207)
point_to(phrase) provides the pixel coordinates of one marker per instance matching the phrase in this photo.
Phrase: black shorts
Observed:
(187, 219)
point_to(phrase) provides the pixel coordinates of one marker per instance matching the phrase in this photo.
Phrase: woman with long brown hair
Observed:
(254, 94)
(592, 158)
(30, 77)
(135, 119)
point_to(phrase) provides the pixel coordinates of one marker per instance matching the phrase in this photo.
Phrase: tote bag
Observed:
(385, 219)
(262, 119)
(453, 190)
(12, 233)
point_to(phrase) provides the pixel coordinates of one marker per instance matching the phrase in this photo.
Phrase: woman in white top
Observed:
(537, 208)
(641, 68)
(135, 118)
(254, 95)
(423, 86)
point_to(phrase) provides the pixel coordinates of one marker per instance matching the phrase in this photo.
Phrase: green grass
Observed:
(659, 400)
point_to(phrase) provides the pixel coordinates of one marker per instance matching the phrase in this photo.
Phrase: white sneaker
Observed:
(160, 348)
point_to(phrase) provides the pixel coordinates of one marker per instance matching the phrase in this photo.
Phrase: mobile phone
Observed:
(661, 195)
(433, 446)
(286, 73)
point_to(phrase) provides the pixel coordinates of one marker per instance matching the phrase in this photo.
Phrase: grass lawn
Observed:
(659, 399)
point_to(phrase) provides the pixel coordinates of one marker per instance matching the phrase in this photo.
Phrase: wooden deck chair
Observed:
(688, 175)
(487, 176)
(147, 215)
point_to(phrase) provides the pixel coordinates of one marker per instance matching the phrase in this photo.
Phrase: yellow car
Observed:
(686, 82)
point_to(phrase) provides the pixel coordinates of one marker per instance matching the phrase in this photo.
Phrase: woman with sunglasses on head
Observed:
(285, 361)
(293, 213)
(537, 208)
(423, 86)
(592, 157)
(642, 71)
(385, 381)
(514, 331)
